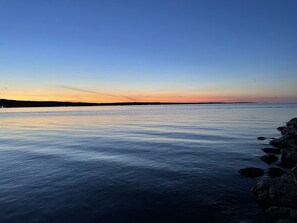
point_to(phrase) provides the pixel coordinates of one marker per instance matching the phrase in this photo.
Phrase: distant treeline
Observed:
(4, 103)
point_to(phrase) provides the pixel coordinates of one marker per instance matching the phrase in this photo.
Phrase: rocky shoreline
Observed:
(278, 192)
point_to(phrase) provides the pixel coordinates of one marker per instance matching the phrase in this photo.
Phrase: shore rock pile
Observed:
(279, 193)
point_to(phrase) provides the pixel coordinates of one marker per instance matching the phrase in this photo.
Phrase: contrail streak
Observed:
(94, 92)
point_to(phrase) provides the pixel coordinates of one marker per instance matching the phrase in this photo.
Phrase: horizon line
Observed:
(10, 103)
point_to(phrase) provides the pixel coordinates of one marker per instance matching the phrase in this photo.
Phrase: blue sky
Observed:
(225, 50)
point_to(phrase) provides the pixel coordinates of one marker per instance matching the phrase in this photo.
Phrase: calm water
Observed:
(133, 164)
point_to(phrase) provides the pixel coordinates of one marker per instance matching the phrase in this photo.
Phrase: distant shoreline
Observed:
(5, 103)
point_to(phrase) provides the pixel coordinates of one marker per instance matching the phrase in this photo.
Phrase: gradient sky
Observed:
(149, 50)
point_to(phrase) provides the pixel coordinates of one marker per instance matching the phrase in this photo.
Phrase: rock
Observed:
(276, 212)
(290, 140)
(294, 174)
(289, 155)
(284, 164)
(278, 142)
(291, 130)
(251, 172)
(286, 221)
(293, 214)
(275, 172)
(280, 191)
(292, 122)
(284, 131)
(261, 138)
(269, 158)
(281, 128)
(272, 150)
(261, 190)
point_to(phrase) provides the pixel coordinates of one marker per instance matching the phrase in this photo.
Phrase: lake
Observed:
(134, 164)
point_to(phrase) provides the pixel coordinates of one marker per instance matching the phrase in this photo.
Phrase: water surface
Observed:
(134, 164)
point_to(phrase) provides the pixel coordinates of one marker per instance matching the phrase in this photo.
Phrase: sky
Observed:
(149, 50)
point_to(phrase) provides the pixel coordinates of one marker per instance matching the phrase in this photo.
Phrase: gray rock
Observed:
(272, 150)
(251, 172)
(289, 155)
(281, 191)
(284, 131)
(286, 221)
(261, 190)
(276, 212)
(278, 142)
(275, 172)
(269, 158)
(292, 122)
(290, 141)
(284, 164)
(291, 130)
(281, 128)
(285, 141)
(293, 214)
(294, 174)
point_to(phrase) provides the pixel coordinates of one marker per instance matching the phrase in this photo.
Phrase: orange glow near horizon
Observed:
(111, 97)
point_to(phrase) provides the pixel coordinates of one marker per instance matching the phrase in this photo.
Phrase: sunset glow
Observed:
(169, 51)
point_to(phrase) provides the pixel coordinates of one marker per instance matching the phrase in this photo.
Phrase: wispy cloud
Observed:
(98, 93)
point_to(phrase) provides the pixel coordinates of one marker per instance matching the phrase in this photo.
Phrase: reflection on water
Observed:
(175, 163)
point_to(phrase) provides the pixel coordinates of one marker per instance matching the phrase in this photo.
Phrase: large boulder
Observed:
(291, 130)
(281, 191)
(275, 172)
(290, 140)
(278, 142)
(272, 150)
(286, 221)
(277, 212)
(269, 158)
(285, 141)
(251, 172)
(289, 135)
(289, 155)
(292, 122)
(282, 129)
(285, 164)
